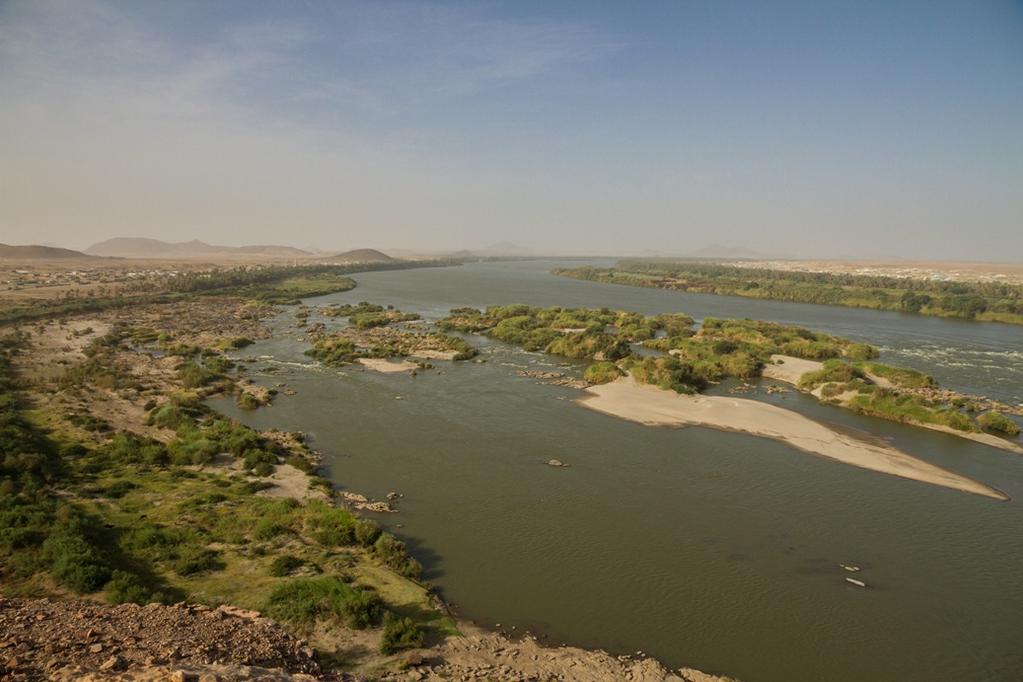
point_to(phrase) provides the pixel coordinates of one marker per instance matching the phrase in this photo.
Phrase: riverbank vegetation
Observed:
(119, 483)
(986, 301)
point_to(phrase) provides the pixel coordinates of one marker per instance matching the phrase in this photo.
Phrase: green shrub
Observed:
(75, 561)
(831, 390)
(332, 526)
(860, 351)
(193, 375)
(284, 565)
(236, 343)
(333, 350)
(247, 401)
(263, 469)
(118, 489)
(218, 364)
(392, 552)
(602, 373)
(130, 448)
(170, 416)
(400, 633)
(155, 542)
(669, 373)
(998, 423)
(366, 532)
(125, 588)
(268, 529)
(256, 456)
(193, 560)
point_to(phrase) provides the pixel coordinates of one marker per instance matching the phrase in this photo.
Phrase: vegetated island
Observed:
(120, 484)
(371, 339)
(691, 360)
(983, 301)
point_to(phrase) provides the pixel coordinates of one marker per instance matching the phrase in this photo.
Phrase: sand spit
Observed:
(628, 399)
(386, 366)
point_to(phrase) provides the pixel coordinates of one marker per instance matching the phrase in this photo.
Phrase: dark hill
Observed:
(141, 247)
(36, 252)
(362, 256)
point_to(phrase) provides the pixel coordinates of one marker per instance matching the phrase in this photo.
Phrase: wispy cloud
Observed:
(114, 121)
(376, 56)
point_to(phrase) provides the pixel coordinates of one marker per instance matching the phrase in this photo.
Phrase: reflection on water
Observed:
(704, 548)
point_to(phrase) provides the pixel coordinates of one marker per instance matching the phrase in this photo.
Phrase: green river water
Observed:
(702, 548)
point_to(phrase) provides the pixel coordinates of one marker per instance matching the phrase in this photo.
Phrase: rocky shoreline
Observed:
(42, 639)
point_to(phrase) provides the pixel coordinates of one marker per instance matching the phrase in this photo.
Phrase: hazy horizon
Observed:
(839, 130)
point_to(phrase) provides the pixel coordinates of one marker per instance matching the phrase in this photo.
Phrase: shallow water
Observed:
(710, 549)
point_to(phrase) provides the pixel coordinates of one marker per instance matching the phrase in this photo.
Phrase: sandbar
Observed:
(628, 399)
(386, 366)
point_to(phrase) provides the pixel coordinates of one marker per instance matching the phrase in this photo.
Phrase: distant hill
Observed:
(36, 252)
(141, 247)
(362, 256)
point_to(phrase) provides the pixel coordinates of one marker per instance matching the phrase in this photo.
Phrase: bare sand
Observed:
(791, 369)
(292, 482)
(628, 399)
(386, 366)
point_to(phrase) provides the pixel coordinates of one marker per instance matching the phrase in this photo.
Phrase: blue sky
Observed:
(829, 129)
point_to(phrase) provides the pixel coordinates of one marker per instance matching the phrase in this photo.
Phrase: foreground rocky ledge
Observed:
(66, 640)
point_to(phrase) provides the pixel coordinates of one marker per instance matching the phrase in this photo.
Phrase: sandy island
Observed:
(387, 366)
(628, 399)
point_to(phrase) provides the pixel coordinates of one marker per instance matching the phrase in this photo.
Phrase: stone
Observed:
(112, 663)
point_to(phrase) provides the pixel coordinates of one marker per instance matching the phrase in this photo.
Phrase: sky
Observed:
(803, 129)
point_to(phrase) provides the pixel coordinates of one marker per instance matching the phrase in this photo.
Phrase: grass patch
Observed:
(903, 377)
(304, 601)
(833, 371)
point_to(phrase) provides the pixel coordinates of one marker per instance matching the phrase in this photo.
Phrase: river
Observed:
(714, 550)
